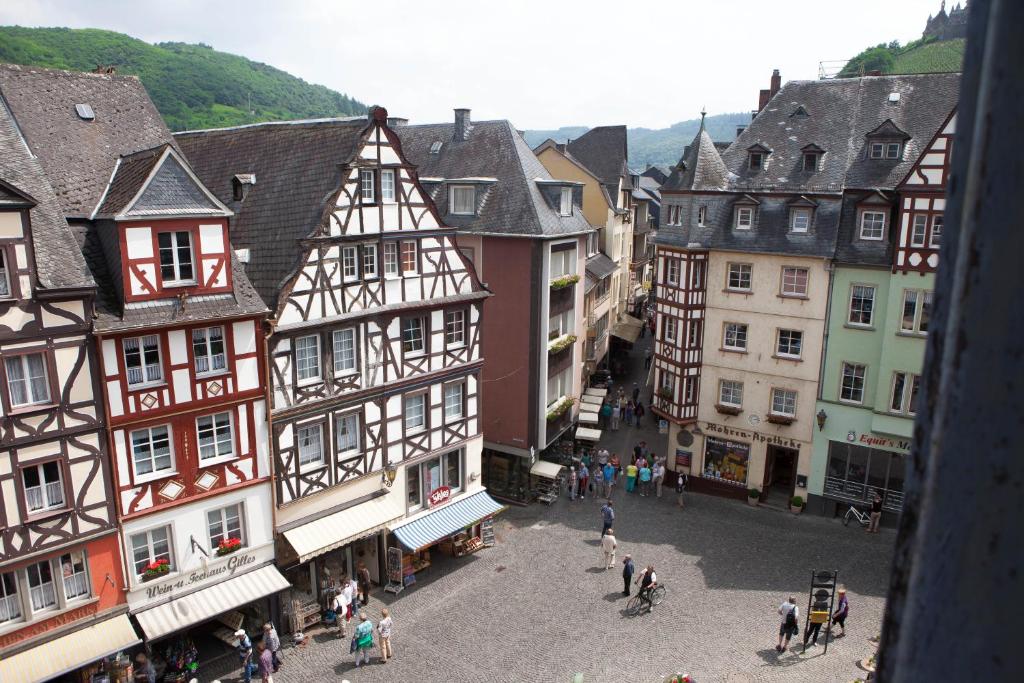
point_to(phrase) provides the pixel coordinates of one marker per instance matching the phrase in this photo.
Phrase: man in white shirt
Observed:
(608, 546)
(789, 627)
(659, 476)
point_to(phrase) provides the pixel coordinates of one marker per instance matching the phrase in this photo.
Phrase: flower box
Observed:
(156, 569)
(562, 343)
(780, 419)
(228, 546)
(728, 410)
(560, 407)
(564, 281)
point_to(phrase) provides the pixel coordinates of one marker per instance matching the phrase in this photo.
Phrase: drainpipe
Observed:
(830, 267)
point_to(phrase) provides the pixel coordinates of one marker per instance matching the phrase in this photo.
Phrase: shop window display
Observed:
(726, 461)
(855, 472)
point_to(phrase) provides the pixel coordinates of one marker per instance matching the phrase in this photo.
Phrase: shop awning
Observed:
(543, 468)
(337, 529)
(594, 401)
(588, 419)
(209, 602)
(446, 521)
(627, 329)
(587, 434)
(595, 391)
(70, 652)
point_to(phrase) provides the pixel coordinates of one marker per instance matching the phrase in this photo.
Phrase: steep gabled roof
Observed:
(514, 205)
(297, 166)
(59, 265)
(79, 155)
(701, 166)
(605, 151)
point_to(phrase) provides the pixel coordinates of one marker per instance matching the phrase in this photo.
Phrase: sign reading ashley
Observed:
(440, 496)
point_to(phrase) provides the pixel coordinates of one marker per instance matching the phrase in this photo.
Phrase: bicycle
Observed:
(862, 517)
(637, 603)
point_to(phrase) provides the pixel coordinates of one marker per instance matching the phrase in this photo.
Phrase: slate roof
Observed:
(79, 156)
(58, 264)
(297, 169)
(514, 205)
(600, 266)
(701, 166)
(604, 150)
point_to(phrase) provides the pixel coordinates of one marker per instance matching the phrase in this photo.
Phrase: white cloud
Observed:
(541, 64)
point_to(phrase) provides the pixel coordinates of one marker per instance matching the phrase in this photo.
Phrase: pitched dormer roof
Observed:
(888, 130)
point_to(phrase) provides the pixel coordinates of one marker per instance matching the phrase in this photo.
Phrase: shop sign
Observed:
(439, 496)
(773, 439)
(207, 573)
(45, 625)
(726, 460)
(879, 441)
(683, 458)
(663, 426)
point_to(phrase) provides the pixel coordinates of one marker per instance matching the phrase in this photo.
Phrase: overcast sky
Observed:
(540, 64)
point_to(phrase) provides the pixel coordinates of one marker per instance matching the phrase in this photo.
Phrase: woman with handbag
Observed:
(362, 641)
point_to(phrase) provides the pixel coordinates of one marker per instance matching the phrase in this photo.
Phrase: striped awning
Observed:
(67, 653)
(209, 602)
(341, 528)
(446, 521)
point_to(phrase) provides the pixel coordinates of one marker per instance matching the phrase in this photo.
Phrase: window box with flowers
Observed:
(228, 546)
(665, 393)
(775, 418)
(564, 281)
(727, 409)
(562, 343)
(560, 407)
(156, 569)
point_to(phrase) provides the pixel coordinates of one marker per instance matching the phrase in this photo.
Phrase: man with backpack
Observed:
(790, 614)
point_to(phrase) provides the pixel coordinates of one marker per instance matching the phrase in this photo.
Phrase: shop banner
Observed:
(683, 459)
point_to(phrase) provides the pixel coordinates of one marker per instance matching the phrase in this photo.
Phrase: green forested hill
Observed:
(927, 55)
(193, 86)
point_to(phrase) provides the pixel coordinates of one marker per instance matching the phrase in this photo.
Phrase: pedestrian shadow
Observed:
(592, 542)
(615, 596)
(596, 570)
(773, 657)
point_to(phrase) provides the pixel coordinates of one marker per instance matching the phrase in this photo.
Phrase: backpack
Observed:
(791, 618)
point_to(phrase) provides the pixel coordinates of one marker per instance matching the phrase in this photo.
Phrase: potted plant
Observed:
(561, 343)
(228, 546)
(665, 393)
(564, 281)
(753, 497)
(796, 504)
(156, 569)
(560, 407)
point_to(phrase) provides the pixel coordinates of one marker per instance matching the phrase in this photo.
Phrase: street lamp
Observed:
(822, 416)
(387, 477)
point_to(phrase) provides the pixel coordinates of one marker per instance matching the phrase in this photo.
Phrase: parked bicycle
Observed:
(853, 513)
(637, 603)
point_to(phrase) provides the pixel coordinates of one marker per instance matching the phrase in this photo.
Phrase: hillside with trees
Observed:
(927, 55)
(193, 86)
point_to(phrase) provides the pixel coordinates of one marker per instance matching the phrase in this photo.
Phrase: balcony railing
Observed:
(860, 493)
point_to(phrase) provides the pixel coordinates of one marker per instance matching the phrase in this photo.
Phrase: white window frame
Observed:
(565, 202)
(349, 264)
(462, 200)
(730, 393)
(350, 365)
(785, 395)
(455, 328)
(176, 262)
(367, 186)
(702, 215)
(408, 326)
(11, 611)
(851, 311)
(5, 279)
(317, 361)
(223, 520)
(785, 340)
(693, 333)
(415, 257)
(46, 488)
(744, 217)
(27, 380)
(144, 367)
(414, 421)
(387, 185)
(213, 425)
(854, 372)
(877, 150)
(921, 298)
(41, 588)
(789, 288)
(671, 329)
(672, 270)
(392, 267)
(79, 577)
(906, 393)
(153, 473)
(313, 429)
(150, 547)
(935, 237)
(739, 270)
(741, 330)
(799, 219)
(893, 150)
(348, 425)
(454, 411)
(369, 261)
(880, 227)
(202, 349)
(919, 230)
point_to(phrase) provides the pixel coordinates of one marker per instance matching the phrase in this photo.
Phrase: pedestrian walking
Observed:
(629, 413)
(265, 663)
(602, 457)
(616, 413)
(631, 472)
(637, 452)
(638, 412)
(789, 627)
(636, 392)
(609, 479)
(597, 474)
(244, 650)
(658, 472)
(627, 573)
(680, 488)
(647, 359)
(572, 483)
(842, 611)
(384, 627)
(584, 478)
(606, 415)
(645, 479)
(876, 514)
(363, 575)
(273, 642)
(362, 641)
(614, 462)
(607, 517)
(608, 546)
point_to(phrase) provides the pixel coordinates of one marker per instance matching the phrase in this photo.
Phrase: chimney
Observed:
(765, 95)
(776, 82)
(462, 125)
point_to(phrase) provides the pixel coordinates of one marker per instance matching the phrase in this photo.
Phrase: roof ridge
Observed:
(522, 170)
(31, 68)
(291, 122)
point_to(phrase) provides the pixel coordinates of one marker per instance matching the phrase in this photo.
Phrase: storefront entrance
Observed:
(779, 475)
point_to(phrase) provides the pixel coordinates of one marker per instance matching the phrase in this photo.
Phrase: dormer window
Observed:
(886, 150)
(366, 186)
(176, 257)
(799, 219)
(565, 203)
(810, 162)
(744, 218)
(872, 225)
(702, 215)
(462, 200)
(757, 157)
(756, 161)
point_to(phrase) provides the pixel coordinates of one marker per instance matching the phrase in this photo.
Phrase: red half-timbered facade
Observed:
(678, 339)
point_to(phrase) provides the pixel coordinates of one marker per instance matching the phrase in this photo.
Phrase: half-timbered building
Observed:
(179, 341)
(375, 356)
(526, 235)
(60, 578)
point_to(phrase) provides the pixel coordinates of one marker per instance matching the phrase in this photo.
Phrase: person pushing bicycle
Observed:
(648, 582)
